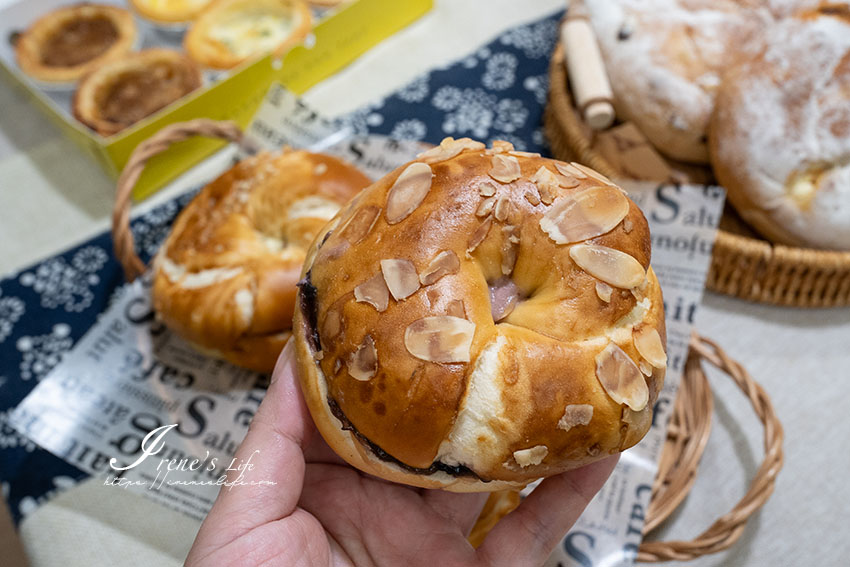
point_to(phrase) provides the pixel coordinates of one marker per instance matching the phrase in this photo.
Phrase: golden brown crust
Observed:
(415, 402)
(66, 43)
(170, 12)
(225, 277)
(207, 43)
(126, 90)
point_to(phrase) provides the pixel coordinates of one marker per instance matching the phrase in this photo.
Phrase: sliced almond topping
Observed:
(455, 308)
(547, 184)
(505, 168)
(532, 456)
(510, 248)
(479, 235)
(592, 173)
(364, 361)
(519, 153)
(486, 188)
(649, 345)
(621, 377)
(337, 366)
(373, 291)
(408, 191)
(645, 368)
(570, 170)
(486, 207)
(609, 265)
(332, 325)
(576, 414)
(502, 208)
(401, 277)
(584, 215)
(603, 290)
(446, 262)
(627, 225)
(567, 181)
(448, 149)
(532, 197)
(360, 224)
(500, 146)
(442, 338)
(504, 296)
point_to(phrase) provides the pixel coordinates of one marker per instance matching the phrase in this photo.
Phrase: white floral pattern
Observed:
(11, 309)
(69, 285)
(10, 438)
(534, 40)
(414, 91)
(500, 71)
(539, 87)
(41, 353)
(410, 129)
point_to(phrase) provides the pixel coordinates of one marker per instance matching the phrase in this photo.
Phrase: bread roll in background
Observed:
(480, 318)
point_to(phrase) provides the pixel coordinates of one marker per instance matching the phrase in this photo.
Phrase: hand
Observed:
(322, 512)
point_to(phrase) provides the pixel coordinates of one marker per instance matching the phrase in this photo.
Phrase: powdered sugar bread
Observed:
(665, 59)
(780, 136)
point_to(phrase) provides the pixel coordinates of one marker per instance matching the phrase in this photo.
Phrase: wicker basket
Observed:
(690, 424)
(741, 265)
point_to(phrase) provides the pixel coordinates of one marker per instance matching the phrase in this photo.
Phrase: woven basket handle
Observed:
(122, 237)
(725, 531)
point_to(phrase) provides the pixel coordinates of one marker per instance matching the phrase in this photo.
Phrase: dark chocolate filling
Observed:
(310, 309)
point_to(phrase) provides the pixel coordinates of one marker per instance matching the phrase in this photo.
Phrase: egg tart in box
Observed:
(169, 12)
(71, 41)
(127, 90)
(231, 32)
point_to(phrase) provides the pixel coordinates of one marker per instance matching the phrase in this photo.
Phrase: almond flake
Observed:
(408, 191)
(532, 456)
(627, 225)
(510, 248)
(444, 263)
(523, 154)
(332, 325)
(373, 291)
(360, 224)
(449, 148)
(645, 368)
(569, 169)
(567, 181)
(501, 146)
(502, 207)
(621, 377)
(486, 189)
(337, 366)
(546, 183)
(584, 215)
(603, 290)
(486, 207)
(504, 296)
(401, 277)
(592, 173)
(649, 345)
(531, 197)
(455, 308)
(364, 361)
(442, 338)
(504, 168)
(574, 415)
(609, 265)
(479, 235)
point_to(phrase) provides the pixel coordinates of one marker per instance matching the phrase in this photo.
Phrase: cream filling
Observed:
(313, 208)
(177, 274)
(253, 31)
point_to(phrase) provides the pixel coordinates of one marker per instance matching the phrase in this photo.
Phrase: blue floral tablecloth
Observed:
(497, 92)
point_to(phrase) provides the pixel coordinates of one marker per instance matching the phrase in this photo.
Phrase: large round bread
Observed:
(481, 318)
(780, 135)
(665, 60)
(225, 277)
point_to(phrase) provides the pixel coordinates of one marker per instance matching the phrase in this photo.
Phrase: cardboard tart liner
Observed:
(690, 424)
(742, 265)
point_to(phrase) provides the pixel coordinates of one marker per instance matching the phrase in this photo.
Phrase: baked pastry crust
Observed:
(780, 134)
(444, 339)
(126, 90)
(65, 44)
(225, 277)
(170, 11)
(231, 32)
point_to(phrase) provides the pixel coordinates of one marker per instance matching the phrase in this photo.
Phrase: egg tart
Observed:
(169, 11)
(231, 32)
(67, 43)
(124, 91)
